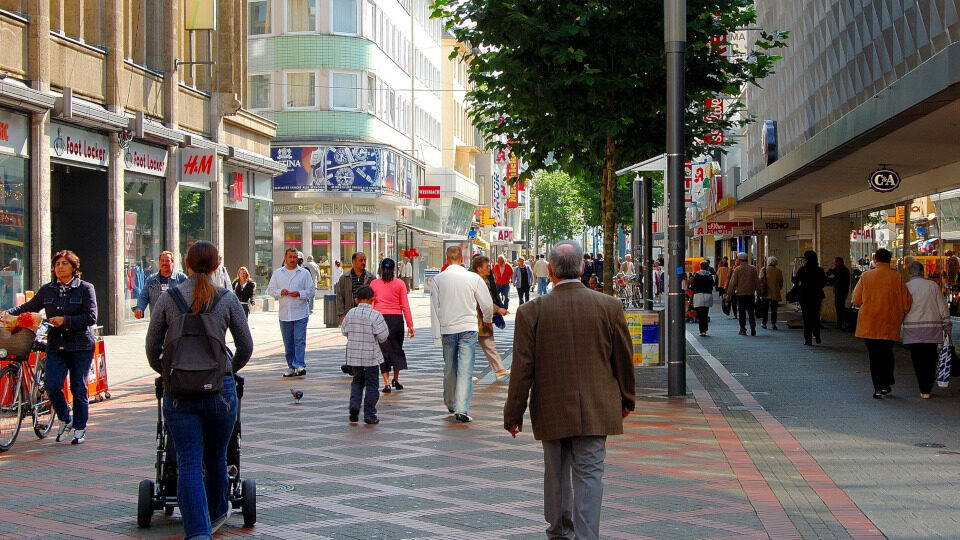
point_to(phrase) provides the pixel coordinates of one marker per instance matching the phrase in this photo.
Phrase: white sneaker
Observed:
(79, 436)
(502, 375)
(289, 372)
(65, 427)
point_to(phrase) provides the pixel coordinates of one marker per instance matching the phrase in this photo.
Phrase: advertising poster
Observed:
(344, 168)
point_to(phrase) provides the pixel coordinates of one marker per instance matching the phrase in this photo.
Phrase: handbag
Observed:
(793, 295)
(759, 306)
(724, 305)
(943, 362)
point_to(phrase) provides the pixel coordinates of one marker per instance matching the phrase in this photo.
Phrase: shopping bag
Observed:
(943, 363)
(725, 306)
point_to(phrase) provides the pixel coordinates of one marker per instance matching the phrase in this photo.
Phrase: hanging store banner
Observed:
(198, 165)
(428, 192)
(14, 134)
(343, 168)
(776, 224)
(72, 144)
(513, 200)
(714, 113)
(727, 227)
(143, 159)
(513, 167)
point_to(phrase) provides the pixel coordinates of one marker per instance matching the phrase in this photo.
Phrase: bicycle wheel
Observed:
(42, 408)
(11, 406)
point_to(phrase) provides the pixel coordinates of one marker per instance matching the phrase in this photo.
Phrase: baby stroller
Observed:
(162, 494)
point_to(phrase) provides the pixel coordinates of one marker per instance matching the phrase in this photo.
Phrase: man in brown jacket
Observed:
(744, 283)
(348, 285)
(580, 369)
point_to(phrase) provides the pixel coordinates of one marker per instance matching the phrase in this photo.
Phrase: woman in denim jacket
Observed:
(70, 305)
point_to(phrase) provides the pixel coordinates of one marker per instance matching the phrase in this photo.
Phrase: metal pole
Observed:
(536, 220)
(647, 208)
(675, 37)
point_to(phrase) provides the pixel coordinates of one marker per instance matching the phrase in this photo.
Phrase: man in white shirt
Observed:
(293, 287)
(408, 273)
(221, 278)
(314, 273)
(542, 273)
(455, 295)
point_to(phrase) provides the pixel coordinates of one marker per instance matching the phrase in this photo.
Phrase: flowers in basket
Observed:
(14, 323)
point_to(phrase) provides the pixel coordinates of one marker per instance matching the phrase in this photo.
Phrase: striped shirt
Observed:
(364, 328)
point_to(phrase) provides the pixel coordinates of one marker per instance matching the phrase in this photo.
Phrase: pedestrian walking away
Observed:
(702, 286)
(70, 305)
(573, 362)
(541, 274)
(502, 274)
(481, 265)
(925, 326)
(811, 280)
(366, 332)
(744, 284)
(336, 273)
(201, 426)
(771, 291)
(723, 277)
(454, 296)
(292, 285)
(314, 270)
(523, 280)
(390, 300)
(839, 277)
(245, 289)
(884, 300)
(157, 284)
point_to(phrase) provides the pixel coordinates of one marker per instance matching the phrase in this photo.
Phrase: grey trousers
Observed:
(573, 486)
(489, 347)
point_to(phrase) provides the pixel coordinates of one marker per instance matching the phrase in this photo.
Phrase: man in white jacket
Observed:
(454, 297)
(293, 287)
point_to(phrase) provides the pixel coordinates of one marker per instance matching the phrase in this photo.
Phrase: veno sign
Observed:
(776, 224)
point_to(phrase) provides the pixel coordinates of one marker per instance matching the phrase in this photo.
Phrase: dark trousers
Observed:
(840, 304)
(770, 310)
(58, 364)
(366, 380)
(504, 291)
(524, 294)
(703, 315)
(881, 362)
(925, 357)
(733, 306)
(746, 307)
(810, 312)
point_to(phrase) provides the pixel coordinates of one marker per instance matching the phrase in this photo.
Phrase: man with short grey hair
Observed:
(744, 284)
(571, 416)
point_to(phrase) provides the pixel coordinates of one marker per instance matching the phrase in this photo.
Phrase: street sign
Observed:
(884, 180)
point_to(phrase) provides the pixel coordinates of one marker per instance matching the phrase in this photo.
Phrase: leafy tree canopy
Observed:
(561, 207)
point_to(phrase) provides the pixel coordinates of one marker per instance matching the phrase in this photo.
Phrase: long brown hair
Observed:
(202, 258)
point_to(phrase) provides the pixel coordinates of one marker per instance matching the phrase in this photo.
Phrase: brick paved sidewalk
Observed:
(681, 471)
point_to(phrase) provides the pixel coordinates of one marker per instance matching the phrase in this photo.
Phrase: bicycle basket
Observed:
(18, 343)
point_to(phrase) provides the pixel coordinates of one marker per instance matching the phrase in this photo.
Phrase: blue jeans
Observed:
(201, 429)
(365, 378)
(458, 351)
(295, 341)
(541, 286)
(504, 291)
(58, 363)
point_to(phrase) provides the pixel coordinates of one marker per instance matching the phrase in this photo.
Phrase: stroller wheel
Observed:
(145, 504)
(248, 494)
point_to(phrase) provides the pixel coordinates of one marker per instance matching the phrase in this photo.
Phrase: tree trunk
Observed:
(608, 197)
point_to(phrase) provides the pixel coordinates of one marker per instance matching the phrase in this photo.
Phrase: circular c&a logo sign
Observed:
(884, 180)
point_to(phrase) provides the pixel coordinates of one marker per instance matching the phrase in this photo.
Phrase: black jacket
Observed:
(840, 279)
(702, 283)
(811, 280)
(244, 293)
(77, 305)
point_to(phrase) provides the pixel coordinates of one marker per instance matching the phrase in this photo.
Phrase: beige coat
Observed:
(883, 300)
(744, 281)
(573, 358)
(774, 279)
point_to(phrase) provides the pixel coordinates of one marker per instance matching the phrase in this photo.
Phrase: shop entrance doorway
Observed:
(78, 204)
(236, 241)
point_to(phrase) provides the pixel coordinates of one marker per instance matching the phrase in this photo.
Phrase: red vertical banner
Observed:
(236, 187)
(513, 167)
(687, 182)
(714, 108)
(513, 201)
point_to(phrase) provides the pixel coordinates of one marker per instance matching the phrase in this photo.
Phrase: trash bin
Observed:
(330, 311)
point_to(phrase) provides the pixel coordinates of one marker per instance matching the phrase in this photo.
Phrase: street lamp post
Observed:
(675, 37)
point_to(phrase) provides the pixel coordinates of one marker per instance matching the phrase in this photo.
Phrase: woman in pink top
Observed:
(390, 299)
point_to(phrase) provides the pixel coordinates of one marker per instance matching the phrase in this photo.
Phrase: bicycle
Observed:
(22, 392)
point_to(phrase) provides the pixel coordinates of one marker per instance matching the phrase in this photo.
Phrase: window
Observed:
(15, 233)
(260, 92)
(258, 18)
(301, 16)
(344, 90)
(301, 90)
(345, 16)
(392, 107)
(143, 210)
(370, 22)
(371, 94)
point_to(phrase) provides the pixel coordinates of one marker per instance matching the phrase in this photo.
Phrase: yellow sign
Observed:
(485, 218)
(645, 335)
(200, 15)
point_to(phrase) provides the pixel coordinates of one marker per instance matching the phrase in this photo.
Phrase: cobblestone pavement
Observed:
(685, 468)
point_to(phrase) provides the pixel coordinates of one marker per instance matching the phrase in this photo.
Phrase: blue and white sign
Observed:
(344, 168)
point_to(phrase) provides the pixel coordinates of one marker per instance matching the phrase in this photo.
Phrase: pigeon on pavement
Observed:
(297, 395)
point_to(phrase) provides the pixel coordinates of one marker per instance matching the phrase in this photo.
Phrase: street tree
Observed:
(586, 81)
(561, 207)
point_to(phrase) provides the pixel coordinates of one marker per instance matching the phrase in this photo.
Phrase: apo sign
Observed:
(884, 180)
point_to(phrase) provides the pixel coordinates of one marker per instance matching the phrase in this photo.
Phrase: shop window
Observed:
(292, 236)
(344, 91)
(263, 186)
(348, 244)
(320, 249)
(301, 16)
(258, 18)
(263, 243)
(300, 90)
(371, 94)
(260, 92)
(14, 230)
(345, 17)
(143, 239)
(195, 215)
(368, 242)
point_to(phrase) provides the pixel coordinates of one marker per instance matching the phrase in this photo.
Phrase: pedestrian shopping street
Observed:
(774, 440)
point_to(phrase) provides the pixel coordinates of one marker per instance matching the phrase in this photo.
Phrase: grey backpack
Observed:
(195, 357)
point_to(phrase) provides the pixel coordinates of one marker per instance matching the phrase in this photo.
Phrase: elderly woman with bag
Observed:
(771, 283)
(924, 326)
(481, 265)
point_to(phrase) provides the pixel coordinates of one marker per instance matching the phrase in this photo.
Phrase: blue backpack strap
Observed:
(178, 299)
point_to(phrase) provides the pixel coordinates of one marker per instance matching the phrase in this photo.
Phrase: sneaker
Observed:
(451, 410)
(300, 372)
(65, 427)
(79, 436)
(373, 420)
(462, 418)
(502, 374)
(216, 524)
(774, 326)
(354, 415)
(289, 372)
(475, 379)
(397, 385)
(924, 396)
(743, 332)
(753, 331)
(702, 334)
(763, 325)
(387, 389)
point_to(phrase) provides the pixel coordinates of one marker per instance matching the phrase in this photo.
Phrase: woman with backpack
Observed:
(200, 419)
(70, 305)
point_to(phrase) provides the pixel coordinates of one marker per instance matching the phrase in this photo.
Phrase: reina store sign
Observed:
(79, 146)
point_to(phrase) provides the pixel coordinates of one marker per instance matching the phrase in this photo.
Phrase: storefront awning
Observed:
(481, 242)
(427, 232)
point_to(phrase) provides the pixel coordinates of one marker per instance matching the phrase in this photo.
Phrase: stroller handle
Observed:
(158, 385)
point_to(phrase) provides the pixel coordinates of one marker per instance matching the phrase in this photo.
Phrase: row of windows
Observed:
(381, 30)
(427, 73)
(428, 127)
(422, 13)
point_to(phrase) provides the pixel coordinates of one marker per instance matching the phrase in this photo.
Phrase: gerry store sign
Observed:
(79, 146)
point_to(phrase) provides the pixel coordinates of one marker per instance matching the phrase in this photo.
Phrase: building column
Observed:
(39, 73)
(171, 207)
(114, 316)
(171, 100)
